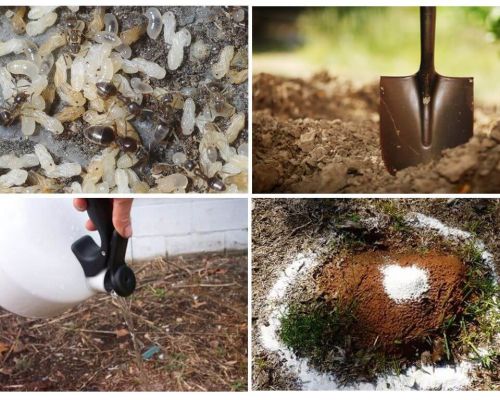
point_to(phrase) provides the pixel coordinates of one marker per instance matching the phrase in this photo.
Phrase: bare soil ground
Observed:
(322, 136)
(334, 230)
(193, 309)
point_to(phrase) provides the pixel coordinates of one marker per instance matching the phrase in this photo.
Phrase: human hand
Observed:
(121, 215)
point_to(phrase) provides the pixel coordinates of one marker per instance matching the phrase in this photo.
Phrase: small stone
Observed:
(307, 141)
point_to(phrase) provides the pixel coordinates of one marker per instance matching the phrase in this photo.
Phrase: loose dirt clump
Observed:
(405, 328)
(321, 135)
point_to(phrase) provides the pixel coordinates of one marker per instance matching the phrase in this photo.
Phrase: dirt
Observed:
(194, 309)
(335, 229)
(396, 328)
(321, 135)
(214, 25)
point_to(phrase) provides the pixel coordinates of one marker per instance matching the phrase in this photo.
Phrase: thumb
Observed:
(121, 216)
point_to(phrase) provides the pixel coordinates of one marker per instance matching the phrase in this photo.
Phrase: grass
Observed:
(308, 330)
(393, 209)
(363, 43)
(478, 324)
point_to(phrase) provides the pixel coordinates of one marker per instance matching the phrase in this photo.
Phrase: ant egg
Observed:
(169, 24)
(199, 50)
(179, 158)
(100, 134)
(188, 117)
(14, 177)
(23, 67)
(52, 43)
(243, 149)
(123, 50)
(140, 87)
(221, 67)
(212, 154)
(110, 23)
(154, 22)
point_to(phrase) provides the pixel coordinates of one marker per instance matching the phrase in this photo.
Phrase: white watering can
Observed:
(49, 264)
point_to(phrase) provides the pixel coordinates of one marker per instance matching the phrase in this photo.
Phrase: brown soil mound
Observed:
(398, 328)
(322, 135)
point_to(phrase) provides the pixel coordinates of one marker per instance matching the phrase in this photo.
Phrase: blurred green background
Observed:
(362, 43)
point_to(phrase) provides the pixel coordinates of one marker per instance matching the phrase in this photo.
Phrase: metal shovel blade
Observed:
(424, 113)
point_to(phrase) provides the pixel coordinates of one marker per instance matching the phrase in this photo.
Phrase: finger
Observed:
(121, 217)
(80, 204)
(90, 225)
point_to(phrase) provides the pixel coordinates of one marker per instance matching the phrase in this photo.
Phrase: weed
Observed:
(395, 212)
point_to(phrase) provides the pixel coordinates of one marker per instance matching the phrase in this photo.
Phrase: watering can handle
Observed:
(100, 212)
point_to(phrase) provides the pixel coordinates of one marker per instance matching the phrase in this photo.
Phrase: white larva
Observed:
(7, 84)
(188, 117)
(35, 28)
(48, 122)
(154, 22)
(149, 68)
(169, 24)
(39, 11)
(221, 67)
(14, 177)
(10, 161)
(139, 86)
(236, 124)
(78, 73)
(175, 56)
(14, 45)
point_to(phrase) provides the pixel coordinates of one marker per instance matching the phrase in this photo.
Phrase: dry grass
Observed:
(193, 309)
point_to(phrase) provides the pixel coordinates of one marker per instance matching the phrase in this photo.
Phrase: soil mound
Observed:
(321, 135)
(402, 328)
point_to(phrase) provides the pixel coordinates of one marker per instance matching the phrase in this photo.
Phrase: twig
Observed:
(206, 285)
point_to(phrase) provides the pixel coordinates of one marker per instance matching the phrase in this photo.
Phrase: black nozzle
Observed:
(121, 281)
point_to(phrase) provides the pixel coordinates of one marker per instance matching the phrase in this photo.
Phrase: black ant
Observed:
(9, 115)
(73, 32)
(213, 183)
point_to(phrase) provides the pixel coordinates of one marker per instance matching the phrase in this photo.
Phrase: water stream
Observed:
(124, 306)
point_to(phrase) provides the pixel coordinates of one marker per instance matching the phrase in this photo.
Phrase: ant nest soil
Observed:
(123, 99)
(398, 300)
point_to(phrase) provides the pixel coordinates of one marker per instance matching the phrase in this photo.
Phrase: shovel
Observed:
(424, 113)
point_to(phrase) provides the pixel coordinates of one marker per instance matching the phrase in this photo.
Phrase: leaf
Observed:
(121, 332)
(4, 347)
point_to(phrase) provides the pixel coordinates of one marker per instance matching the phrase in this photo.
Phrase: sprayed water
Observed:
(124, 307)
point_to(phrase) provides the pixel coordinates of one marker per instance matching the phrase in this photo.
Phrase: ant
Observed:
(73, 32)
(9, 115)
(213, 183)
(107, 89)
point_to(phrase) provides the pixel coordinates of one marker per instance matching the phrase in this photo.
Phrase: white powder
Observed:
(403, 284)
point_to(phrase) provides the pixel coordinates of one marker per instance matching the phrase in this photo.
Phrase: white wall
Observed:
(168, 227)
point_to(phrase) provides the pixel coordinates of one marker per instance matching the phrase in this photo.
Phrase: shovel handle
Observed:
(427, 39)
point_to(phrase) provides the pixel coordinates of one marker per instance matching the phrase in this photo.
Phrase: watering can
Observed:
(48, 262)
